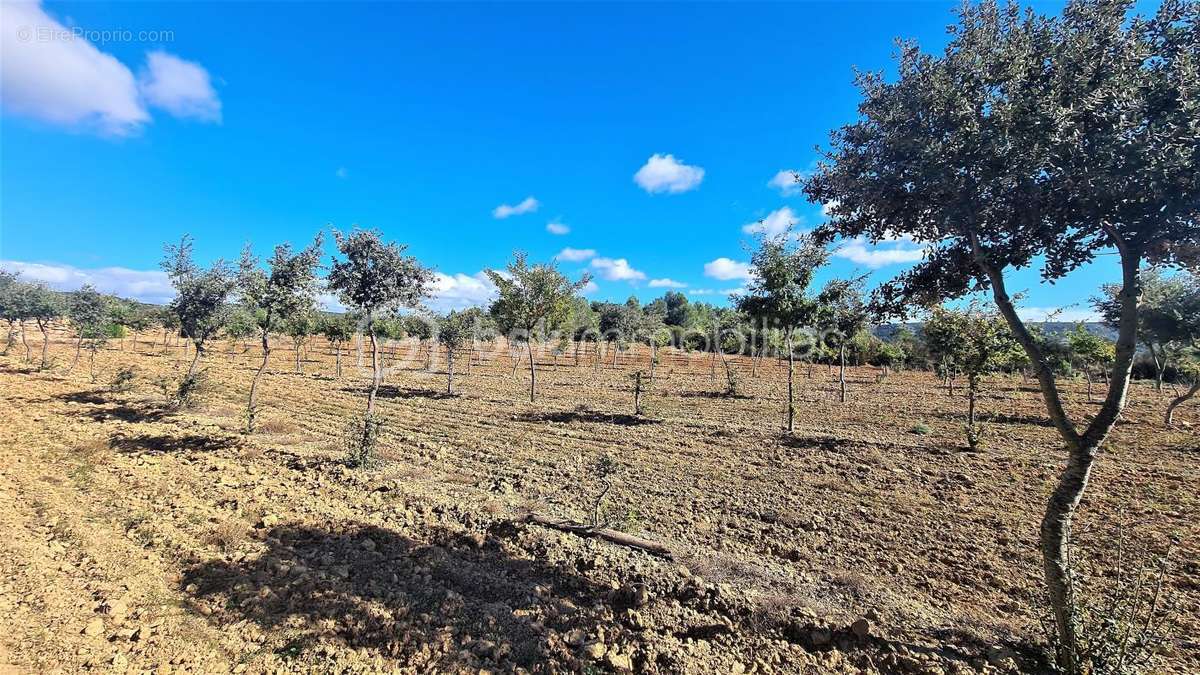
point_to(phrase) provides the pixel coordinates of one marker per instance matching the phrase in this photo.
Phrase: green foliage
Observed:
(123, 380)
(1089, 350)
(777, 295)
(88, 311)
(241, 325)
(201, 300)
(375, 275)
(533, 300)
(974, 341)
(338, 329)
(361, 440)
(456, 331)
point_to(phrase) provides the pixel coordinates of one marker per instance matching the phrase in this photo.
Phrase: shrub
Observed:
(123, 380)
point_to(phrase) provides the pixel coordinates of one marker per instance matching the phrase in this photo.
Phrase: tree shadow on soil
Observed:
(593, 416)
(446, 604)
(101, 409)
(996, 418)
(394, 391)
(164, 444)
(714, 394)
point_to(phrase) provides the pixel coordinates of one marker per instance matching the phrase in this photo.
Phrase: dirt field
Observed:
(144, 540)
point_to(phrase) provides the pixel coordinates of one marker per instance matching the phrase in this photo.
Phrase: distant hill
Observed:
(887, 330)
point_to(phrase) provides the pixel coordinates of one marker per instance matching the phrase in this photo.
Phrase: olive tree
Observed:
(201, 300)
(1032, 141)
(11, 295)
(87, 310)
(843, 315)
(532, 302)
(455, 332)
(373, 278)
(777, 296)
(285, 289)
(974, 341)
(42, 306)
(1090, 353)
(338, 330)
(299, 327)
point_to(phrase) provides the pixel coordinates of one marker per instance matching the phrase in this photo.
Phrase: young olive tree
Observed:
(11, 295)
(777, 296)
(843, 315)
(285, 289)
(241, 325)
(1162, 329)
(201, 300)
(455, 332)
(973, 341)
(299, 327)
(87, 310)
(1032, 140)
(1090, 352)
(533, 301)
(373, 278)
(423, 327)
(338, 330)
(42, 306)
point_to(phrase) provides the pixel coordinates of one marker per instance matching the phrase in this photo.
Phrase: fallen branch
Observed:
(604, 533)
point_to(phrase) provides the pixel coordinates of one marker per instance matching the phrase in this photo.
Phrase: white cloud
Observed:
(460, 291)
(557, 228)
(666, 283)
(575, 254)
(589, 288)
(49, 74)
(182, 88)
(54, 74)
(725, 269)
(777, 222)
(785, 181)
(827, 207)
(145, 285)
(716, 291)
(892, 252)
(527, 205)
(617, 269)
(663, 173)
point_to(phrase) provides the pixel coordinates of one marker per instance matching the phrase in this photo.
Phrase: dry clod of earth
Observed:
(144, 539)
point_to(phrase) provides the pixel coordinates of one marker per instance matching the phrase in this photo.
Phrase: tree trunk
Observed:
(637, 393)
(45, 328)
(376, 373)
(8, 343)
(78, 349)
(25, 343)
(532, 372)
(791, 399)
(1087, 374)
(972, 394)
(1055, 529)
(1178, 400)
(653, 361)
(449, 370)
(1159, 365)
(337, 362)
(842, 374)
(252, 404)
(195, 360)
(92, 364)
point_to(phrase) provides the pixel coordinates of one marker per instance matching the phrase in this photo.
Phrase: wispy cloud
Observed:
(617, 269)
(775, 223)
(716, 291)
(666, 283)
(1069, 313)
(556, 227)
(51, 73)
(527, 205)
(726, 269)
(786, 182)
(664, 173)
(151, 286)
(575, 254)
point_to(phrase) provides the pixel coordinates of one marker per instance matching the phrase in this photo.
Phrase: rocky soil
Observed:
(141, 539)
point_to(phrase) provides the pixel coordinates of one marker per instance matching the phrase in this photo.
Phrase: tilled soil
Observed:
(143, 539)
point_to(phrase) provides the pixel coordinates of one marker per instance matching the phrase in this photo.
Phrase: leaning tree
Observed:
(777, 296)
(374, 278)
(532, 302)
(286, 289)
(1032, 141)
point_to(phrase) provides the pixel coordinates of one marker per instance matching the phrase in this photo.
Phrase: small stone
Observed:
(618, 661)
(861, 629)
(269, 520)
(94, 627)
(594, 650)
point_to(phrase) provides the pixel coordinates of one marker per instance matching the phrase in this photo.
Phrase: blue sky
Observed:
(239, 122)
